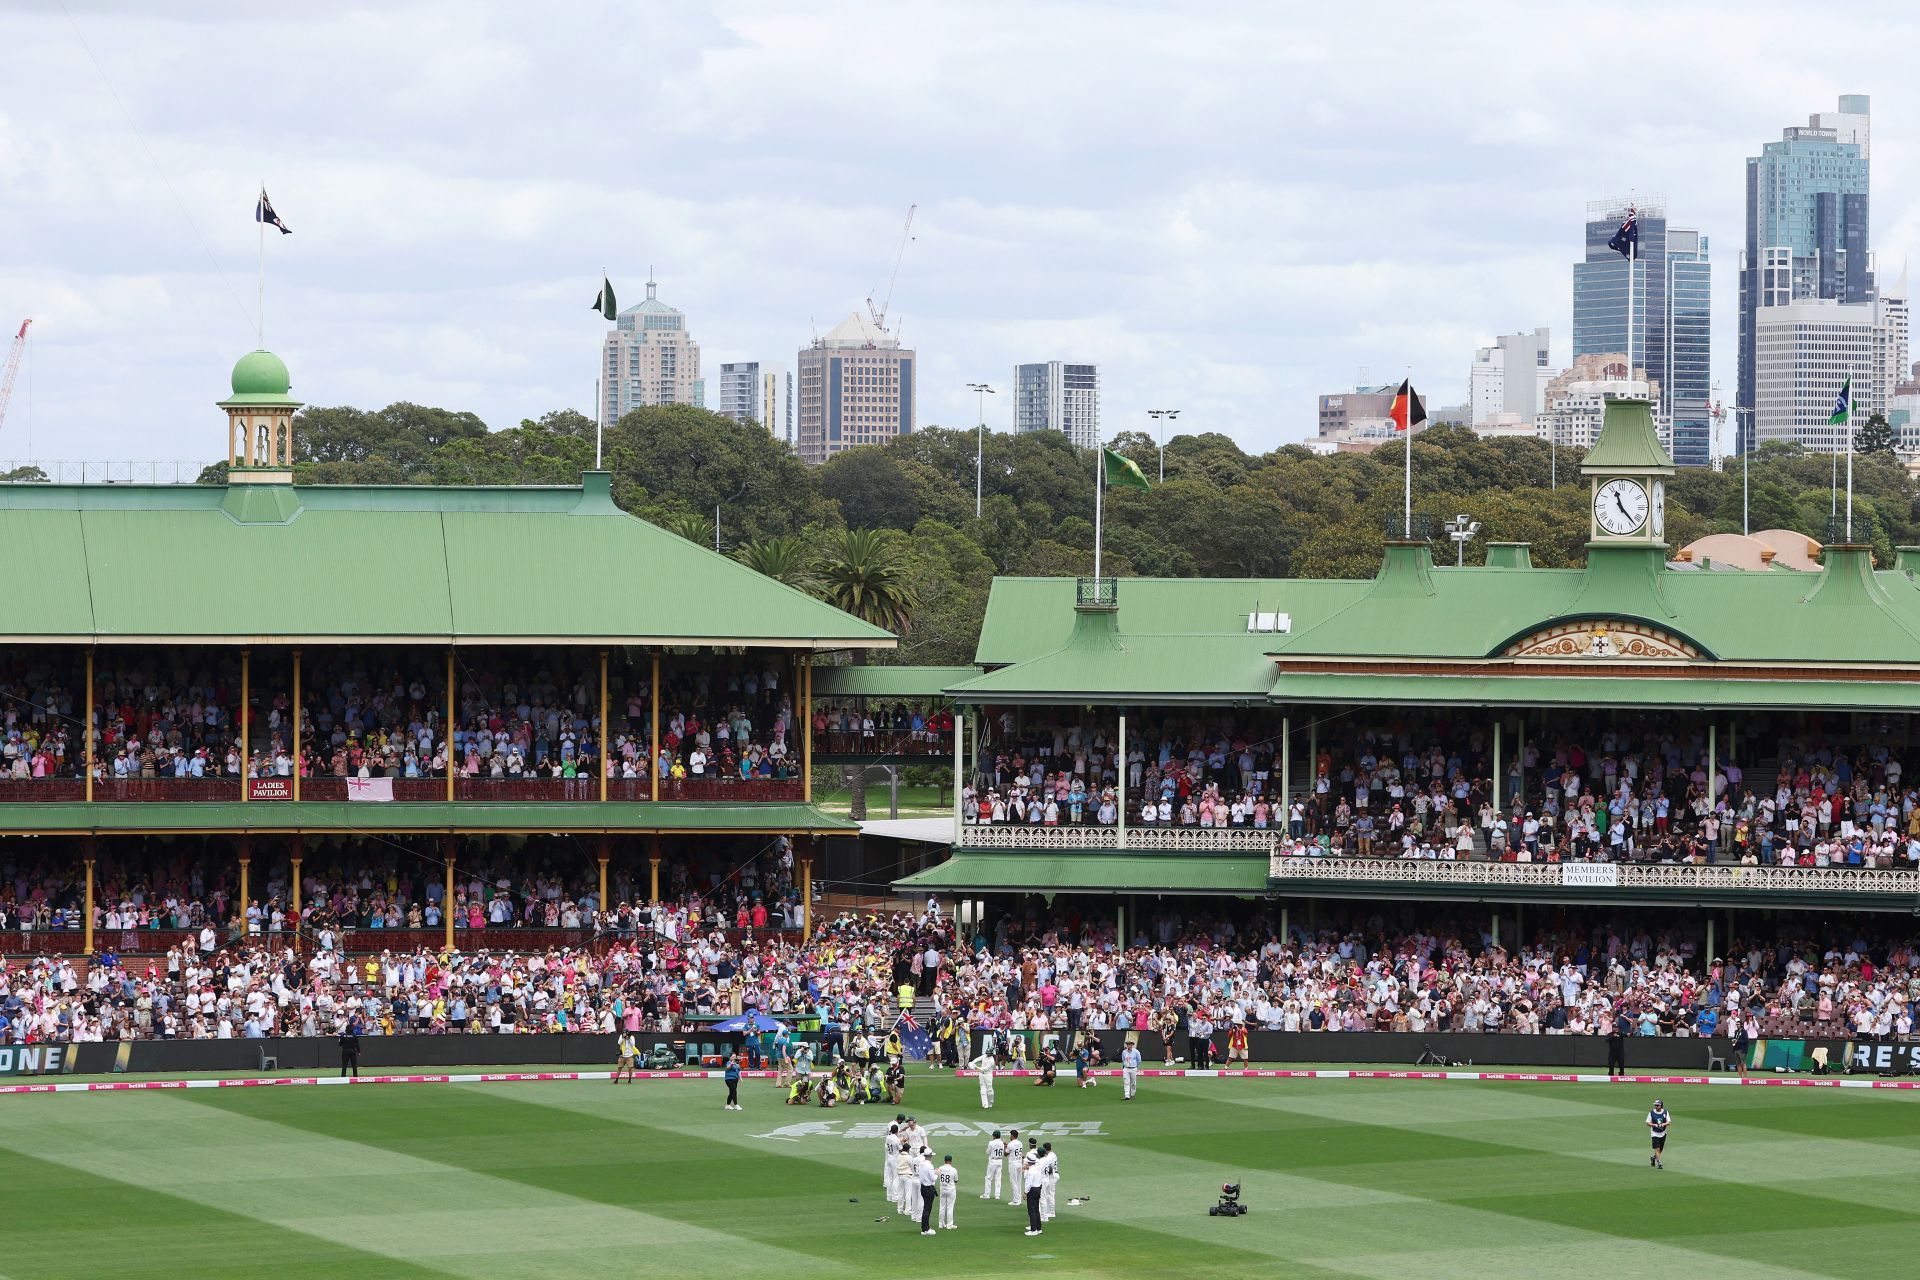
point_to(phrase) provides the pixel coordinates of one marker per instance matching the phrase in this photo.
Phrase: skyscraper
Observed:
(649, 358)
(1672, 315)
(1055, 396)
(1805, 351)
(1510, 377)
(1807, 225)
(751, 391)
(856, 387)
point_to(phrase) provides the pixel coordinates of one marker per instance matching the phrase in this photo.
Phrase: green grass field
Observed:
(1344, 1178)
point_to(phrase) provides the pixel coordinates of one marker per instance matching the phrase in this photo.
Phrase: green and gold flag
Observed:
(1124, 471)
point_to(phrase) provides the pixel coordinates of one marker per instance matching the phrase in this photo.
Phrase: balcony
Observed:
(1139, 839)
(1679, 883)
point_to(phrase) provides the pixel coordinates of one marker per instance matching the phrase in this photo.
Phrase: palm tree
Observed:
(787, 559)
(863, 573)
(691, 525)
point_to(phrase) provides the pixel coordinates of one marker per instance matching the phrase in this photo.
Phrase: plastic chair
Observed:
(1718, 1060)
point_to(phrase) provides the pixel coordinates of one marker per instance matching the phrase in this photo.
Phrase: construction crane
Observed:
(13, 368)
(879, 313)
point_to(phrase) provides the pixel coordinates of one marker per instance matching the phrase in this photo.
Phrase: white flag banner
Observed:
(369, 788)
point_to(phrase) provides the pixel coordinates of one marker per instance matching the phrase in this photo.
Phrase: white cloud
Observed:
(1230, 207)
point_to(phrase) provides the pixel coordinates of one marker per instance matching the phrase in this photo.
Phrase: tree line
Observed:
(889, 532)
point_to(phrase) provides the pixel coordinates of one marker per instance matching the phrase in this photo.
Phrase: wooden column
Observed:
(1286, 777)
(246, 725)
(447, 847)
(298, 855)
(246, 881)
(88, 845)
(653, 745)
(296, 743)
(959, 748)
(806, 734)
(605, 843)
(806, 892)
(449, 736)
(89, 729)
(606, 763)
(653, 870)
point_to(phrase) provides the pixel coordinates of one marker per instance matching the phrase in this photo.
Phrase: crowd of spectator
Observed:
(872, 727)
(1607, 794)
(1190, 977)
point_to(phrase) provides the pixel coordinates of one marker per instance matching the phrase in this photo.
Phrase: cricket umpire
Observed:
(350, 1048)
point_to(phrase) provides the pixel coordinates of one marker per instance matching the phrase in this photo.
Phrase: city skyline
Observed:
(429, 266)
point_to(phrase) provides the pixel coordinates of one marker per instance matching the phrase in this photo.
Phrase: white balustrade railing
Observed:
(1719, 876)
(1009, 835)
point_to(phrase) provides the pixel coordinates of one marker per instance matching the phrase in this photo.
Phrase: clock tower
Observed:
(1627, 472)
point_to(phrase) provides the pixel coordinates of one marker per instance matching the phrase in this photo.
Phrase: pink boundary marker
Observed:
(1277, 1073)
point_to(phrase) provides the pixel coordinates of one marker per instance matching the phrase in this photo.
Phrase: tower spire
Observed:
(651, 286)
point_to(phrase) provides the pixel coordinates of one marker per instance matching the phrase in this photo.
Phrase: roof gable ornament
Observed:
(1603, 639)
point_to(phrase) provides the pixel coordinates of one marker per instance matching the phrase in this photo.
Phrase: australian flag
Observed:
(913, 1037)
(263, 212)
(1626, 240)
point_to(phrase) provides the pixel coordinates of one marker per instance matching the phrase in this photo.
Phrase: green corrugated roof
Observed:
(887, 682)
(991, 872)
(1627, 690)
(1627, 440)
(323, 816)
(1173, 640)
(320, 563)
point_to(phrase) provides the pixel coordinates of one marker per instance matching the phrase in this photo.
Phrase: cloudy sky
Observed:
(1230, 207)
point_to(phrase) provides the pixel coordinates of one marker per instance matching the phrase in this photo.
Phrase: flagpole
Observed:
(1406, 491)
(1850, 400)
(260, 300)
(599, 404)
(1099, 502)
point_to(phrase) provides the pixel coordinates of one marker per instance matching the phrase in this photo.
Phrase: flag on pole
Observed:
(1408, 408)
(1627, 239)
(605, 304)
(376, 790)
(263, 212)
(1842, 405)
(1124, 471)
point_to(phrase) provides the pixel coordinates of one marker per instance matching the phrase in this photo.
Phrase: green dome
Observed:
(260, 373)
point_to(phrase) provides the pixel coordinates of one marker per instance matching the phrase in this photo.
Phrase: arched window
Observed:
(262, 445)
(286, 442)
(237, 455)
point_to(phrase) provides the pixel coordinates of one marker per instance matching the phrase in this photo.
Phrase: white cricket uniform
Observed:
(1050, 1169)
(983, 1067)
(1129, 1071)
(996, 1161)
(887, 1180)
(946, 1179)
(1022, 1159)
(906, 1186)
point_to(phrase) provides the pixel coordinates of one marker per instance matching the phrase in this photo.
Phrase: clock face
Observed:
(1657, 517)
(1620, 507)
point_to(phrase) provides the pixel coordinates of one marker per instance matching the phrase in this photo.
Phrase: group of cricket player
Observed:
(919, 1188)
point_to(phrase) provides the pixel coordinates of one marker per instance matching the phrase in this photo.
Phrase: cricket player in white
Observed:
(1049, 1189)
(996, 1161)
(947, 1179)
(887, 1177)
(1017, 1163)
(983, 1067)
(906, 1187)
(1129, 1070)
